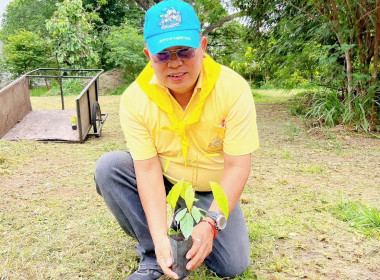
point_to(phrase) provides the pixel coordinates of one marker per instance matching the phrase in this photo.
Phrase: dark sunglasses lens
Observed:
(162, 57)
(183, 54)
(186, 53)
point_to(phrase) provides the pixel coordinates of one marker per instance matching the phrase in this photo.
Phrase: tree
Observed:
(125, 47)
(71, 35)
(115, 12)
(214, 14)
(356, 25)
(24, 52)
(334, 43)
(29, 15)
(350, 27)
(226, 42)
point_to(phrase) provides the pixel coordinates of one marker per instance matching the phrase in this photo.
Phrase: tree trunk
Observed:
(347, 53)
(47, 84)
(145, 4)
(349, 71)
(376, 44)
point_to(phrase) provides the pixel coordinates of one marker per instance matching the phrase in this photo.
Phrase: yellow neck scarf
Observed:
(211, 71)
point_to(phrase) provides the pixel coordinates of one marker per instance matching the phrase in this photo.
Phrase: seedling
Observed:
(187, 216)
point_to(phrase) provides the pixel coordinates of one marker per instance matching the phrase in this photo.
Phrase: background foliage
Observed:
(24, 50)
(71, 35)
(331, 47)
(125, 50)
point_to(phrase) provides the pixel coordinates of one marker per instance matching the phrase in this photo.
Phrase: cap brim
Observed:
(187, 38)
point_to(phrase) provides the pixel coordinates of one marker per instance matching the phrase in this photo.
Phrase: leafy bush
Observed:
(69, 86)
(360, 111)
(23, 52)
(326, 107)
(71, 35)
(125, 50)
(330, 108)
(28, 15)
(301, 102)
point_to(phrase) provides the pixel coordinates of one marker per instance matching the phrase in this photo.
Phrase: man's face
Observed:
(180, 76)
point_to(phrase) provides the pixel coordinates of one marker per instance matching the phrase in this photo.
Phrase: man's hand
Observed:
(203, 238)
(165, 258)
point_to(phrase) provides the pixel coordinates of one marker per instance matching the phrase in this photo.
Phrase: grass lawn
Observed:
(311, 203)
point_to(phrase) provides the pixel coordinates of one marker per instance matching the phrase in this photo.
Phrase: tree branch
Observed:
(145, 4)
(303, 11)
(374, 10)
(221, 22)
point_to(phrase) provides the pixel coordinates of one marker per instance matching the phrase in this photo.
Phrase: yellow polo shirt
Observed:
(227, 125)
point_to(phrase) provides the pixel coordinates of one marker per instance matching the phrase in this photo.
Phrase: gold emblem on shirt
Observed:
(216, 143)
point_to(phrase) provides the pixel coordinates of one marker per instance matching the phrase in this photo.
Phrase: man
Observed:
(186, 110)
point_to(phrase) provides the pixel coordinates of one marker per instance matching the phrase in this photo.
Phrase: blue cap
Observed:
(171, 23)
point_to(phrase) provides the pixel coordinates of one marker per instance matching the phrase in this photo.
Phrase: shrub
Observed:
(71, 35)
(125, 50)
(23, 52)
(330, 108)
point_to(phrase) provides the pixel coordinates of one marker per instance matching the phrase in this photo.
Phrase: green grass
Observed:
(273, 95)
(292, 131)
(117, 91)
(359, 216)
(53, 224)
(69, 87)
(312, 169)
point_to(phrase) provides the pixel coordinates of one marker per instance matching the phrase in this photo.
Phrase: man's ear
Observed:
(204, 46)
(146, 51)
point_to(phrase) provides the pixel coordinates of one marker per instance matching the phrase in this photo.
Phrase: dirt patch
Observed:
(111, 80)
(297, 177)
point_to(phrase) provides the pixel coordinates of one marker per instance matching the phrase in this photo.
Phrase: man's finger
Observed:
(170, 273)
(166, 268)
(198, 257)
(197, 242)
(165, 260)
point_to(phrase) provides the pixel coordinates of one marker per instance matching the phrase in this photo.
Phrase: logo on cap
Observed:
(170, 18)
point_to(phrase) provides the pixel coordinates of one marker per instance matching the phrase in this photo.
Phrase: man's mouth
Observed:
(177, 75)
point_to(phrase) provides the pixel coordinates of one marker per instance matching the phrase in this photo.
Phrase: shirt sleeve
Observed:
(138, 137)
(241, 135)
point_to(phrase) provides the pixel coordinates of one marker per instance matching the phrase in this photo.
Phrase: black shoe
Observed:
(145, 274)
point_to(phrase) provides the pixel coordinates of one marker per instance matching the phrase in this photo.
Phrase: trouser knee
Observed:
(110, 166)
(232, 269)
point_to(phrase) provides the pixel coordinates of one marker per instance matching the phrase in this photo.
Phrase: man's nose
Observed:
(174, 60)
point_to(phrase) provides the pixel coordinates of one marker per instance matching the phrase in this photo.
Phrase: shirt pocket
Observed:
(215, 139)
(208, 138)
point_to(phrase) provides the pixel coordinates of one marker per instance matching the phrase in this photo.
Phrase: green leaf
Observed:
(186, 225)
(180, 214)
(220, 197)
(189, 197)
(346, 47)
(174, 193)
(185, 186)
(196, 213)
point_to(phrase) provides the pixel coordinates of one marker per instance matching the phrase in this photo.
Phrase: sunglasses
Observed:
(165, 56)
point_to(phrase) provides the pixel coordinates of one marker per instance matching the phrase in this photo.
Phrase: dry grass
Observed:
(53, 225)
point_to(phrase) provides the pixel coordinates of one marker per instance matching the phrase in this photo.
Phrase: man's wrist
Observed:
(210, 220)
(219, 220)
(212, 225)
